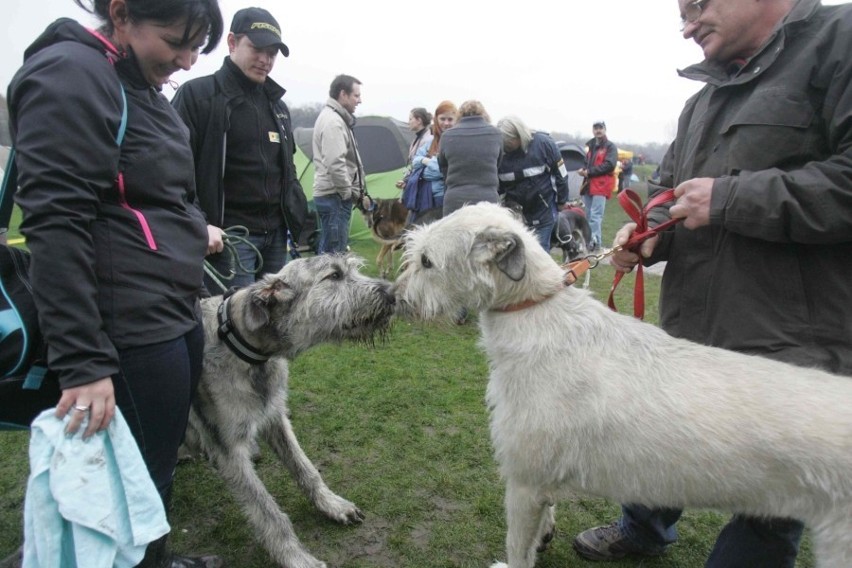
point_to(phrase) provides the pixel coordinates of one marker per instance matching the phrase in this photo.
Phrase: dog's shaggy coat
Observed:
(582, 398)
(310, 301)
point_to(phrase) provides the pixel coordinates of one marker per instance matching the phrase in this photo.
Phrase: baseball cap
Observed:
(260, 27)
(599, 123)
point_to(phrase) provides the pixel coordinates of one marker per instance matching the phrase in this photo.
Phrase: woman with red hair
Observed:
(425, 158)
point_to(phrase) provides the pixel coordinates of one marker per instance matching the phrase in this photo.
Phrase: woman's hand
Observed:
(93, 400)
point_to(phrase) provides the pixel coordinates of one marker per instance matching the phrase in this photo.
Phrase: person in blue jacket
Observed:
(532, 175)
(425, 158)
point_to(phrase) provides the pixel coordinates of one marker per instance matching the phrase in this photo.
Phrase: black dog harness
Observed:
(229, 335)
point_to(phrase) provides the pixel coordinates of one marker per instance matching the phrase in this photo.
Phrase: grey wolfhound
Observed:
(633, 415)
(249, 337)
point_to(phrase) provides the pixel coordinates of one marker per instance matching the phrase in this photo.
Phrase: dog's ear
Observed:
(262, 301)
(504, 248)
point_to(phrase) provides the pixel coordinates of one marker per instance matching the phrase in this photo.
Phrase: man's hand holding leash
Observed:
(215, 239)
(625, 260)
(693, 206)
(693, 202)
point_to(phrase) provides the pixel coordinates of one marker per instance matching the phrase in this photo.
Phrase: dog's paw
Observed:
(339, 509)
(544, 543)
(499, 565)
(354, 517)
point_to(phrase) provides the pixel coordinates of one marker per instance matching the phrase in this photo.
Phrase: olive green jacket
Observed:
(772, 273)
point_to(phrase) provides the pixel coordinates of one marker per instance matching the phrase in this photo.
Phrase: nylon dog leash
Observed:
(231, 237)
(632, 205)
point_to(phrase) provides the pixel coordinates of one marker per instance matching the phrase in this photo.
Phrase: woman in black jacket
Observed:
(109, 215)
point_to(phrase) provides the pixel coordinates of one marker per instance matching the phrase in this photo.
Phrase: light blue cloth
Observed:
(89, 503)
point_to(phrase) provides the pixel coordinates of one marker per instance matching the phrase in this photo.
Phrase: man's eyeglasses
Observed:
(691, 13)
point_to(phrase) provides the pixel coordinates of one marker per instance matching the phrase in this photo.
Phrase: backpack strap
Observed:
(122, 127)
(112, 54)
(7, 190)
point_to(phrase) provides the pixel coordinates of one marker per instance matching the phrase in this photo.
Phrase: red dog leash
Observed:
(632, 205)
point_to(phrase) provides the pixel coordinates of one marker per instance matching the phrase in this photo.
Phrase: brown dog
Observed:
(386, 219)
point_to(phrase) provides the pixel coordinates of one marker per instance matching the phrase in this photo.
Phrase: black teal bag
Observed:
(25, 387)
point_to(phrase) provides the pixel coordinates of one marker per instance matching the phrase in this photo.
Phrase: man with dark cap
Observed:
(243, 147)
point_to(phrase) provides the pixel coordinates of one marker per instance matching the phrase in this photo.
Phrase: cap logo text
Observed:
(265, 26)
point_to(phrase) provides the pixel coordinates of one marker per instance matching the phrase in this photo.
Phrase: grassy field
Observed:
(402, 431)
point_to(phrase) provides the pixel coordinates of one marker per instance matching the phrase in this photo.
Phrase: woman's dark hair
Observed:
(203, 13)
(423, 115)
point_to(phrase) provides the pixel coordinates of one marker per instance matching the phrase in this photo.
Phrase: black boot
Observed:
(157, 555)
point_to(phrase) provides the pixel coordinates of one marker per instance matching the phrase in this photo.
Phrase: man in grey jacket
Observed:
(762, 171)
(338, 171)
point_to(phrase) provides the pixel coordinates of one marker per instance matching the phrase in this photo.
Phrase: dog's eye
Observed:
(336, 275)
(424, 260)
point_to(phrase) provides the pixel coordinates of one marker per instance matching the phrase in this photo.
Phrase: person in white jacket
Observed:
(338, 171)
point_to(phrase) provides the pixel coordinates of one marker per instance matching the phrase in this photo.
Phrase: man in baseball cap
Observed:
(260, 27)
(242, 143)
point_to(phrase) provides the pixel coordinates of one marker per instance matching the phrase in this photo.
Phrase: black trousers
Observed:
(154, 389)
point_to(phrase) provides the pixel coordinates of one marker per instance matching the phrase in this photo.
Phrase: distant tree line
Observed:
(652, 152)
(304, 116)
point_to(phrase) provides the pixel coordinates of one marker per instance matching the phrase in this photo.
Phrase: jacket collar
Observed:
(344, 114)
(66, 29)
(717, 74)
(229, 79)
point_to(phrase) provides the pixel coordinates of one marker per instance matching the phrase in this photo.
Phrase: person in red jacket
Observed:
(601, 158)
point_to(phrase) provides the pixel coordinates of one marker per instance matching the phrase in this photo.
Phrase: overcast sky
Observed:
(559, 65)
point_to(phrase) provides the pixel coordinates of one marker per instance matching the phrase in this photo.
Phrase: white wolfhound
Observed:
(585, 399)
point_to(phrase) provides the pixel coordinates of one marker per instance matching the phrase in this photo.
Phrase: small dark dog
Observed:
(572, 234)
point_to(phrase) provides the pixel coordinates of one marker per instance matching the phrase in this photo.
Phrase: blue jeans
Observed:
(272, 247)
(154, 388)
(595, 206)
(745, 542)
(543, 232)
(335, 215)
